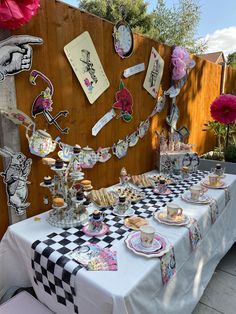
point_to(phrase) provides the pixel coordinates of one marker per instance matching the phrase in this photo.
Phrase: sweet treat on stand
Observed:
(47, 180)
(86, 184)
(133, 195)
(48, 161)
(76, 149)
(79, 195)
(59, 164)
(58, 202)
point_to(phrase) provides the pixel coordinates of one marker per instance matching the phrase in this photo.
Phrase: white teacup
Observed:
(147, 234)
(213, 179)
(173, 210)
(196, 191)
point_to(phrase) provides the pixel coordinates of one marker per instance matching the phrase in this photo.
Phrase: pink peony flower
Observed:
(15, 13)
(223, 109)
(181, 62)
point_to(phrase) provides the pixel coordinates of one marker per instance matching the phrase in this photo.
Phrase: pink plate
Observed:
(167, 192)
(90, 233)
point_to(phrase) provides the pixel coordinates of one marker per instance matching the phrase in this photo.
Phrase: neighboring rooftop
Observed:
(215, 57)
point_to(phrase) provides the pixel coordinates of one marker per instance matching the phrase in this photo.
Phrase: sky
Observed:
(217, 25)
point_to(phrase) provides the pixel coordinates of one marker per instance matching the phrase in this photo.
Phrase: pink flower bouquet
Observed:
(181, 62)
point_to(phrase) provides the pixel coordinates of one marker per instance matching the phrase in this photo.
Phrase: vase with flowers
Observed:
(223, 111)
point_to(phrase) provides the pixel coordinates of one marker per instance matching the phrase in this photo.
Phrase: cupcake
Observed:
(86, 184)
(59, 164)
(76, 149)
(47, 180)
(58, 202)
(79, 195)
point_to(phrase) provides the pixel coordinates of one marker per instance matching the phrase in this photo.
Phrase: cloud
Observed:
(222, 40)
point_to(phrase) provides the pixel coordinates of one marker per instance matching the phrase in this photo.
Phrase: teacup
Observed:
(213, 179)
(196, 191)
(218, 170)
(147, 234)
(162, 188)
(173, 210)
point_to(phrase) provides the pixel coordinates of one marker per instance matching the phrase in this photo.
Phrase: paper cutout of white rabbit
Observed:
(15, 178)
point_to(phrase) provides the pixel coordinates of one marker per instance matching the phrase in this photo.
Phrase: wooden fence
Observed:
(58, 24)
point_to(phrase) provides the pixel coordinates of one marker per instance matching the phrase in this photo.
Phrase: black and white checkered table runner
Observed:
(56, 273)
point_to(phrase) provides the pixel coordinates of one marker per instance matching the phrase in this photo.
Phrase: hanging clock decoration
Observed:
(123, 36)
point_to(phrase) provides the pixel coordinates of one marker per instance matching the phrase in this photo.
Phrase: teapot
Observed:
(87, 157)
(40, 142)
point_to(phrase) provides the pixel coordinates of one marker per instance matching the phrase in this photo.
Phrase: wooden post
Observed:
(9, 133)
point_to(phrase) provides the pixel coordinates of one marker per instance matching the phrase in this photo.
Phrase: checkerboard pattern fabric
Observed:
(55, 272)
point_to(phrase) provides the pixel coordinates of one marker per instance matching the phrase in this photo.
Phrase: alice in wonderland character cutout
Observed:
(124, 102)
(16, 54)
(43, 102)
(15, 178)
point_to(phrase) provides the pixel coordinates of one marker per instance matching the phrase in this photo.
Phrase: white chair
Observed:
(23, 303)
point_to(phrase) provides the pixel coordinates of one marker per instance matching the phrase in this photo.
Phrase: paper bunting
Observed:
(43, 102)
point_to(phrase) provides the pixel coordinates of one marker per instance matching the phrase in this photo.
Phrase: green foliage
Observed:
(173, 26)
(231, 60)
(137, 16)
(230, 153)
(177, 24)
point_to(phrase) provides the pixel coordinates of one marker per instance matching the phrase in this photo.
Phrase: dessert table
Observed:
(136, 287)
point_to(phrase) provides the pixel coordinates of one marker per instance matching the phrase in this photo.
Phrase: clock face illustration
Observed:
(123, 39)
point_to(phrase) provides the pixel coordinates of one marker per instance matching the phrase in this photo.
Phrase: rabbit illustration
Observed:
(15, 178)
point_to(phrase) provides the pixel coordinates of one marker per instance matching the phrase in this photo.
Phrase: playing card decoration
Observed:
(43, 102)
(86, 64)
(15, 178)
(124, 102)
(154, 73)
(123, 36)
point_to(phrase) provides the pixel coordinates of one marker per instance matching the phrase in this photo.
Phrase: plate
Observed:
(156, 179)
(129, 212)
(103, 198)
(204, 199)
(132, 194)
(90, 233)
(59, 169)
(59, 207)
(133, 243)
(161, 217)
(167, 192)
(46, 185)
(220, 185)
(132, 226)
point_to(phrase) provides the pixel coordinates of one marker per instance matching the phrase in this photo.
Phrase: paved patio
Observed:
(220, 294)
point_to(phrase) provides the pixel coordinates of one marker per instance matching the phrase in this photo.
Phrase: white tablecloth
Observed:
(136, 288)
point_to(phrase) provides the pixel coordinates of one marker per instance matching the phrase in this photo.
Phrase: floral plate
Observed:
(220, 185)
(159, 248)
(100, 233)
(204, 199)
(161, 217)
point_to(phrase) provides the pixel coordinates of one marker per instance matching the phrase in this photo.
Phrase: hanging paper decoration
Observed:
(40, 142)
(43, 102)
(15, 178)
(66, 152)
(143, 128)
(154, 73)
(134, 70)
(87, 157)
(17, 117)
(124, 102)
(103, 154)
(15, 13)
(103, 121)
(123, 36)
(120, 148)
(133, 138)
(86, 64)
(16, 53)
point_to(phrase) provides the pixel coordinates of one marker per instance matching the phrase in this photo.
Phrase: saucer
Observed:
(219, 185)
(167, 192)
(46, 185)
(59, 169)
(100, 233)
(204, 199)
(129, 212)
(59, 207)
(161, 217)
(159, 247)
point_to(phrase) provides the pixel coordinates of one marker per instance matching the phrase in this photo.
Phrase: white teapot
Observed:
(40, 142)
